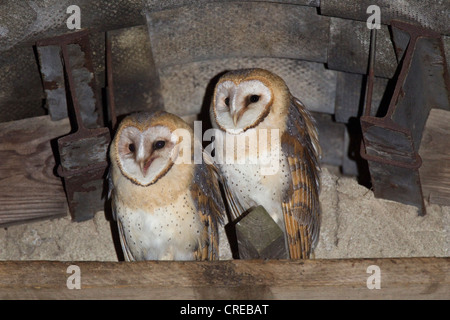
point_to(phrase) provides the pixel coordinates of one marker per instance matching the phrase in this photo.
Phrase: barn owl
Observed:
(165, 209)
(256, 100)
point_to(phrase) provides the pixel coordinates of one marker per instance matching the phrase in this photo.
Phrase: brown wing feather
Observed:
(301, 208)
(206, 194)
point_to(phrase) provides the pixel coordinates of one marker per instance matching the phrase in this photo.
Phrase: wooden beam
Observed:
(29, 189)
(400, 278)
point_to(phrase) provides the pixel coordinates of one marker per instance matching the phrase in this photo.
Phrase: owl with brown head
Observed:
(166, 209)
(247, 103)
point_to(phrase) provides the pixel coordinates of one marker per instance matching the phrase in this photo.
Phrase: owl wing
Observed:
(126, 250)
(236, 205)
(206, 194)
(300, 202)
(111, 191)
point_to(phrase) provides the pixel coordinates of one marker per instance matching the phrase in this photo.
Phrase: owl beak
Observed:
(237, 115)
(144, 165)
(235, 118)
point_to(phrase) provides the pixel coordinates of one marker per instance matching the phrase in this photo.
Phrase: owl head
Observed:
(147, 144)
(244, 98)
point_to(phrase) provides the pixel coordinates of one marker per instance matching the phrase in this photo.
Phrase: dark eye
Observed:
(159, 145)
(254, 98)
(131, 147)
(227, 102)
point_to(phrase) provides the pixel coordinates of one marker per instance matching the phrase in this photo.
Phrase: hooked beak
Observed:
(237, 115)
(235, 118)
(144, 165)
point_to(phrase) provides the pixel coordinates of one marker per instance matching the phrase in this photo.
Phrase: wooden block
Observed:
(259, 237)
(29, 189)
(435, 153)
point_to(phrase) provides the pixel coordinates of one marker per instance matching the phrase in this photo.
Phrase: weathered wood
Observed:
(260, 237)
(435, 153)
(401, 278)
(29, 189)
(391, 142)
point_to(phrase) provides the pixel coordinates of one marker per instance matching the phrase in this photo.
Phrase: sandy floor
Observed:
(354, 225)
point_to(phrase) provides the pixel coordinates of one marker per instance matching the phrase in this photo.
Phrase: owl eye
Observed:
(131, 147)
(159, 144)
(254, 98)
(227, 102)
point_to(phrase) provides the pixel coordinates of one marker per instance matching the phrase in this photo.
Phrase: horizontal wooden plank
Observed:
(29, 189)
(401, 278)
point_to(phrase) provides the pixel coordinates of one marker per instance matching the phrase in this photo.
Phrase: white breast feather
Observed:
(170, 232)
(250, 185)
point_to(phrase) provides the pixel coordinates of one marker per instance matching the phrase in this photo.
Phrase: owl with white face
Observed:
(165, 209)
(251, 100)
